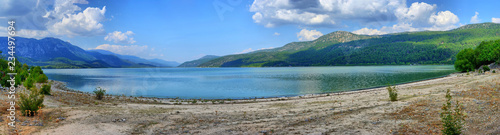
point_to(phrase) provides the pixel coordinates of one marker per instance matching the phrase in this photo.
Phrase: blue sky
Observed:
(182, 30)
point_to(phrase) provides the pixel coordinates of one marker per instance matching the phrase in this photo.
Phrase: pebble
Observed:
(120, 120)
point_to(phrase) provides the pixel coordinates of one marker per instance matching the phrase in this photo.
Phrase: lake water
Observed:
(238, 83)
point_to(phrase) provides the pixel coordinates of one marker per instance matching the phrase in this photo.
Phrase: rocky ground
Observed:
(361, 112)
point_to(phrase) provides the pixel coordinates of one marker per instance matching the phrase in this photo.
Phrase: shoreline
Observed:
(354, 112)
(61, 86)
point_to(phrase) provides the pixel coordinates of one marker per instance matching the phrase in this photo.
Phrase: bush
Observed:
(42, 78)
(493, 71)
(486, 68)
(393, 93)
(45, 89)
(30, 103)
(99, 93)
(452, 119)
(28, 83)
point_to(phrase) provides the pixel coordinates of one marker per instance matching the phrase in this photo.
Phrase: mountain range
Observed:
(55, 53)
(336, 48)
(346, 48)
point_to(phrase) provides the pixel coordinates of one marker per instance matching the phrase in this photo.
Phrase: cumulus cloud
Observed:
(418, 13)
(276, 34)
(119, 37)
(475, 19)
(368, 31)
(86, 23)
(419, 16)
(307, 35)
(53, 17)
(336, 13)
(495, 20)
(271, 13)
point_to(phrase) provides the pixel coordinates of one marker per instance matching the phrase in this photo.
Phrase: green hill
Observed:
(195, 63)
(345, 48)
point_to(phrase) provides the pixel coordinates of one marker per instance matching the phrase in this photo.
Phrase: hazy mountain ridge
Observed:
(55, 53)
(345, 48)
(197, 62)
(135, 59)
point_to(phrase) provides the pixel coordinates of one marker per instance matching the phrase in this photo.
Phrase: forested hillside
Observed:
(345, 48)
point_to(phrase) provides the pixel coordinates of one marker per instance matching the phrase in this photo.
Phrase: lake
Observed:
(238, 83)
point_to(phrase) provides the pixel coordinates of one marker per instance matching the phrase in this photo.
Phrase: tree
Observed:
(465, 60)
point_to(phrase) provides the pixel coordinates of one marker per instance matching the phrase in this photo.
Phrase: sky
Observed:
(183, 30)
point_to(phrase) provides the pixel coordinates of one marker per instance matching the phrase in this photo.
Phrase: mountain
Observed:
(55, 53)
(345, 48)
(165, 63)
(195, 63)
(135, 59)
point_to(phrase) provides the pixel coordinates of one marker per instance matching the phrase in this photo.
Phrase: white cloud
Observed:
(418, 13)
(368, 31)
(417, 17)
(323, 12)
(119, 37)
(307, 35)
(475, 19)
(443, 18)
(86, 23)
(53, 17)
(495, 20)
(276, 34)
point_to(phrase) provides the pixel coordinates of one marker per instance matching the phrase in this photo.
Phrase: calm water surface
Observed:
(237, 83)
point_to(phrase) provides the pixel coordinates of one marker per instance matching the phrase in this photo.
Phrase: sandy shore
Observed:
(357, 112)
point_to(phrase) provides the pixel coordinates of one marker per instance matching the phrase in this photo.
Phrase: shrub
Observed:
(486, 68)
(28, 83)
(393, 92)
(45, 89)
(493, 71)
(30, 103)
(452, 119)
(42, 78)
(99, 93)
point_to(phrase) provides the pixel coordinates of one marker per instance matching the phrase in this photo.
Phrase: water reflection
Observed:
(240, 82)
